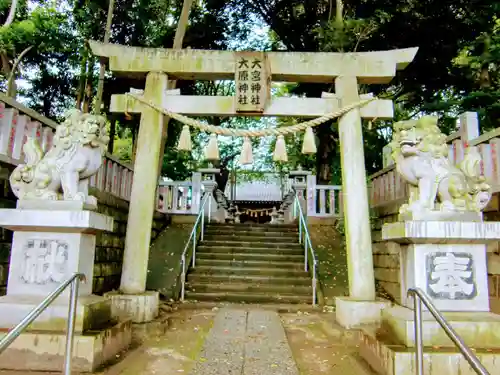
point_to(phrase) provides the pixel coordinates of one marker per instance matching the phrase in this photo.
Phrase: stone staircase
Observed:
(259, 263)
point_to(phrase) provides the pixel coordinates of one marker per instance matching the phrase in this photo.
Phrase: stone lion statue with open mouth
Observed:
(420, 151)
(63, 172)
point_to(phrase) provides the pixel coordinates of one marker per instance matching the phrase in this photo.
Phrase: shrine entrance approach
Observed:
(253, 73)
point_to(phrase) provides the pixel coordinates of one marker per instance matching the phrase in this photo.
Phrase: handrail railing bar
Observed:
(307, 247)
(194, 249)
(35, 313)
(421, 297)
(73, 300)
(192, 238)
(202, 235)
(419, 342)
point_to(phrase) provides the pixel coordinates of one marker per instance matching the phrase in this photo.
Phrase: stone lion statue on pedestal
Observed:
(63, 172)
(421, 155)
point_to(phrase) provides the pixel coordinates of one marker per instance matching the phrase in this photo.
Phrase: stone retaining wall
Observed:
(109, 248)
(494, 264)
(386, 257)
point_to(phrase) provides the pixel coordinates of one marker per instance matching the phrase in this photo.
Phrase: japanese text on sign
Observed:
(252, 82)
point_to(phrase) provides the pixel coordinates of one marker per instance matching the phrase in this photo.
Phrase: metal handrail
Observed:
(192, 238)
(419, 297)
(306, 239)
(70, 333)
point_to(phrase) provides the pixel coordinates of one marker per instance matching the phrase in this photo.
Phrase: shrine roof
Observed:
(268, 190)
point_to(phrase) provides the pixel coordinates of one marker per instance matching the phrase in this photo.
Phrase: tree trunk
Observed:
(324, 156)
(6, 68)
(83, 77)
(112, 133)
(135, 132)
(222, 178)
(87, 102)
(484, 77)
(12, 13)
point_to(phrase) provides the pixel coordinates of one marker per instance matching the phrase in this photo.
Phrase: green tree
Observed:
(440, 28)
(29, 37)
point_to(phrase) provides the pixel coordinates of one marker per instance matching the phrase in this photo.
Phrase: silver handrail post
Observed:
(306, 257)
(304, 235)
(202, 226)
(183, 276)
(73, 300)
(419, 345)
(35, 313)
(193, 238)
(314, 284)
(300, 229)
(209, 206)
(194, 244)
(469, 356)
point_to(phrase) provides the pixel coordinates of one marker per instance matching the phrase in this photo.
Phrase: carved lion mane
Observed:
(421, 155)
(63, 172)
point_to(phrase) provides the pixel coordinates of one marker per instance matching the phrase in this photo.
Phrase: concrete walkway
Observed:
(243, 342)
(239, 340)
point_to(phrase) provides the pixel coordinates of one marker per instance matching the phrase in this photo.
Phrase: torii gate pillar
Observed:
(133, 301)
(361, 306)
(355, 195)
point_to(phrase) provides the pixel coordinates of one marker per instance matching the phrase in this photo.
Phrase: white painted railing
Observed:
(18, 121)
(175, 197)
(387, 186)
(325, 201)
(180, 197)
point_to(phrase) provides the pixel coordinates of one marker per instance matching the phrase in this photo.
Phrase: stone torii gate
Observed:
(346, 70)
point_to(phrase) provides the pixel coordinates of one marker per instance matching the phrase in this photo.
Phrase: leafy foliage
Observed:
(456, 68)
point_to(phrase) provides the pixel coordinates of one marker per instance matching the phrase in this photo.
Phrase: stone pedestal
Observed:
(447, 260)
(477, 329)
(51, 242)
(351, 313)
(299, 184)
(209, 185)
(140, 308)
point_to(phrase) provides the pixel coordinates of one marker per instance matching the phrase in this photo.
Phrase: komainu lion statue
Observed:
(421, 155)
(63, 172)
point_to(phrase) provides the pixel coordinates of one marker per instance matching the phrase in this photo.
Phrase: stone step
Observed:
(388, 358)
(268, 246)
(242, 249)
(199, 277)
(251, 256)
(250, 233)
(255, 227)
(279, 307)
(283, 289)
(242, 238)
(250, 263)
(268, 271)
(247, 297)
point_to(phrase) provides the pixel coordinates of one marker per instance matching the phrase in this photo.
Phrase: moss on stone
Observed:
(164, 267)
(330, 250)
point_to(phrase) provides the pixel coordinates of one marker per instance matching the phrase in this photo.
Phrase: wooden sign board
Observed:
(253, 81)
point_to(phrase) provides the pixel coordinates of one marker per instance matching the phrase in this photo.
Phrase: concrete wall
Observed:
(109, 249)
